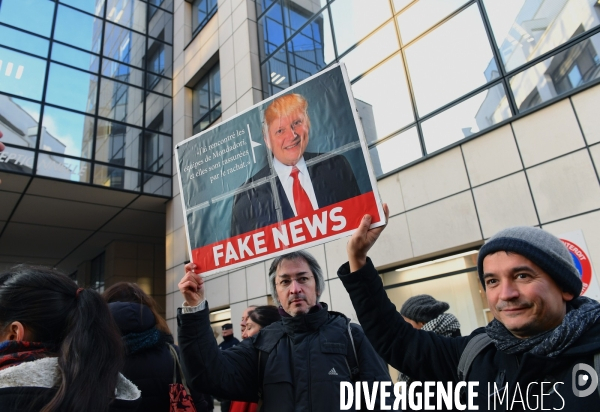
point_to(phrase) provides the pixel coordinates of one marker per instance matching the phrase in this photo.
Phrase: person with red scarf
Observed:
(60, 349)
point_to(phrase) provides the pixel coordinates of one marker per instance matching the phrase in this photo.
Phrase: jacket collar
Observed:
(268, 337)
(312, 321)
(43, 373)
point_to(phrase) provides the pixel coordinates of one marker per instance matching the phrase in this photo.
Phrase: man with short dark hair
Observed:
(542, 332)
(298, 363)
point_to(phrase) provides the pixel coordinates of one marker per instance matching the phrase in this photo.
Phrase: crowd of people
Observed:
(67, 348)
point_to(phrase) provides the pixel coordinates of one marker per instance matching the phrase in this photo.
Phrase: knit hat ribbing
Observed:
(539, 246)
(423, 308)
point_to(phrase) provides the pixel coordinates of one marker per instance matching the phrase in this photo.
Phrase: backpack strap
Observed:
(351, 356)
(597, 367)
(473, 348)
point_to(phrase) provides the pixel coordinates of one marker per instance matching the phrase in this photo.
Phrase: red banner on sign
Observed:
(339, 218)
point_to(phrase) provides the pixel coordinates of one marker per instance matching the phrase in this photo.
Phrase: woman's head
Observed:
(75, 323)
(260, 317)
(130, 292)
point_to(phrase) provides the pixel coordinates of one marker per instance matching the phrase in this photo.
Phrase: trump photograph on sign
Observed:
(304, 181)
(291, 172)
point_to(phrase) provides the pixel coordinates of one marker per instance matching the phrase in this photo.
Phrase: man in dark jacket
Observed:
(543, 337)
(229, 341)
(297, 363)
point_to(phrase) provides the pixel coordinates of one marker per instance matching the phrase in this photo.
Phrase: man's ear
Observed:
(567, 296)
(14, 331)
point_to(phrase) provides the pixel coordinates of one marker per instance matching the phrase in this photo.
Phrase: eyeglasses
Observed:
(287, 282)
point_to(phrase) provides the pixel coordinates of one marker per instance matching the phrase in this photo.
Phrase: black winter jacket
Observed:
(426, 356)
(150, 369)
(306, 361)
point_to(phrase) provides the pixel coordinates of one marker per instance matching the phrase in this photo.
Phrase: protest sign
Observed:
(289, 173)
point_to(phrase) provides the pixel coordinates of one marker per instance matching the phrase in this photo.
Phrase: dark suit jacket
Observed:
(333, 181)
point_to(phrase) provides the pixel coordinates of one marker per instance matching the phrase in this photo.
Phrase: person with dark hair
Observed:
(294, 364)
(148, 362)
(60, 349)
(258, 318)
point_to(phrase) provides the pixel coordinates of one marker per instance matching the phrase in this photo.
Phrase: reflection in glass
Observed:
(396, 152)
(475, 114)
(371, 51)
(207, 100)
(71, 88)
(124, 45)
(160, 25)
(574, 67)
(131, 14)
(383, 113)
(116, 178)
(262, 5)
(23, 41)
(296, 13)
(39, 22)
(19, 120)
(158, 113)
(17, 160)
(163, 4)
(122, 72)
(450, 61)
(310, 49)
(202, 12)
(121, 102)
(65, 132)
(423, 15)
(354, 19)
(275, 73)
(271, 30)
(118, 144)
(160, 58)
(91, 6)
(74, 57)
(157, 153)
(85, 34)
(22, 75)
(157, 185)
(525, 29)
(64, 168)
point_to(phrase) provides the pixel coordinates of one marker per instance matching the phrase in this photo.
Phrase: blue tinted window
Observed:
(85, 34)
(23, 41)
(22, 75)
(39, 22)
(71, 88)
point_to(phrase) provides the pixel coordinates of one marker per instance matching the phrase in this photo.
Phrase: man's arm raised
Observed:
(421, 355)
(363, 240)
(191, 285)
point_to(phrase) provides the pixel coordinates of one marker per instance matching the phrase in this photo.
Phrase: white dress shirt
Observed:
(284, 172)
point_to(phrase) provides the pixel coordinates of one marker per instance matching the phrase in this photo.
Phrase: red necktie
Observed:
(301, 200)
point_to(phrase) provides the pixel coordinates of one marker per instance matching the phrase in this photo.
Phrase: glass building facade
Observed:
(430, 73)
(86, 91)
